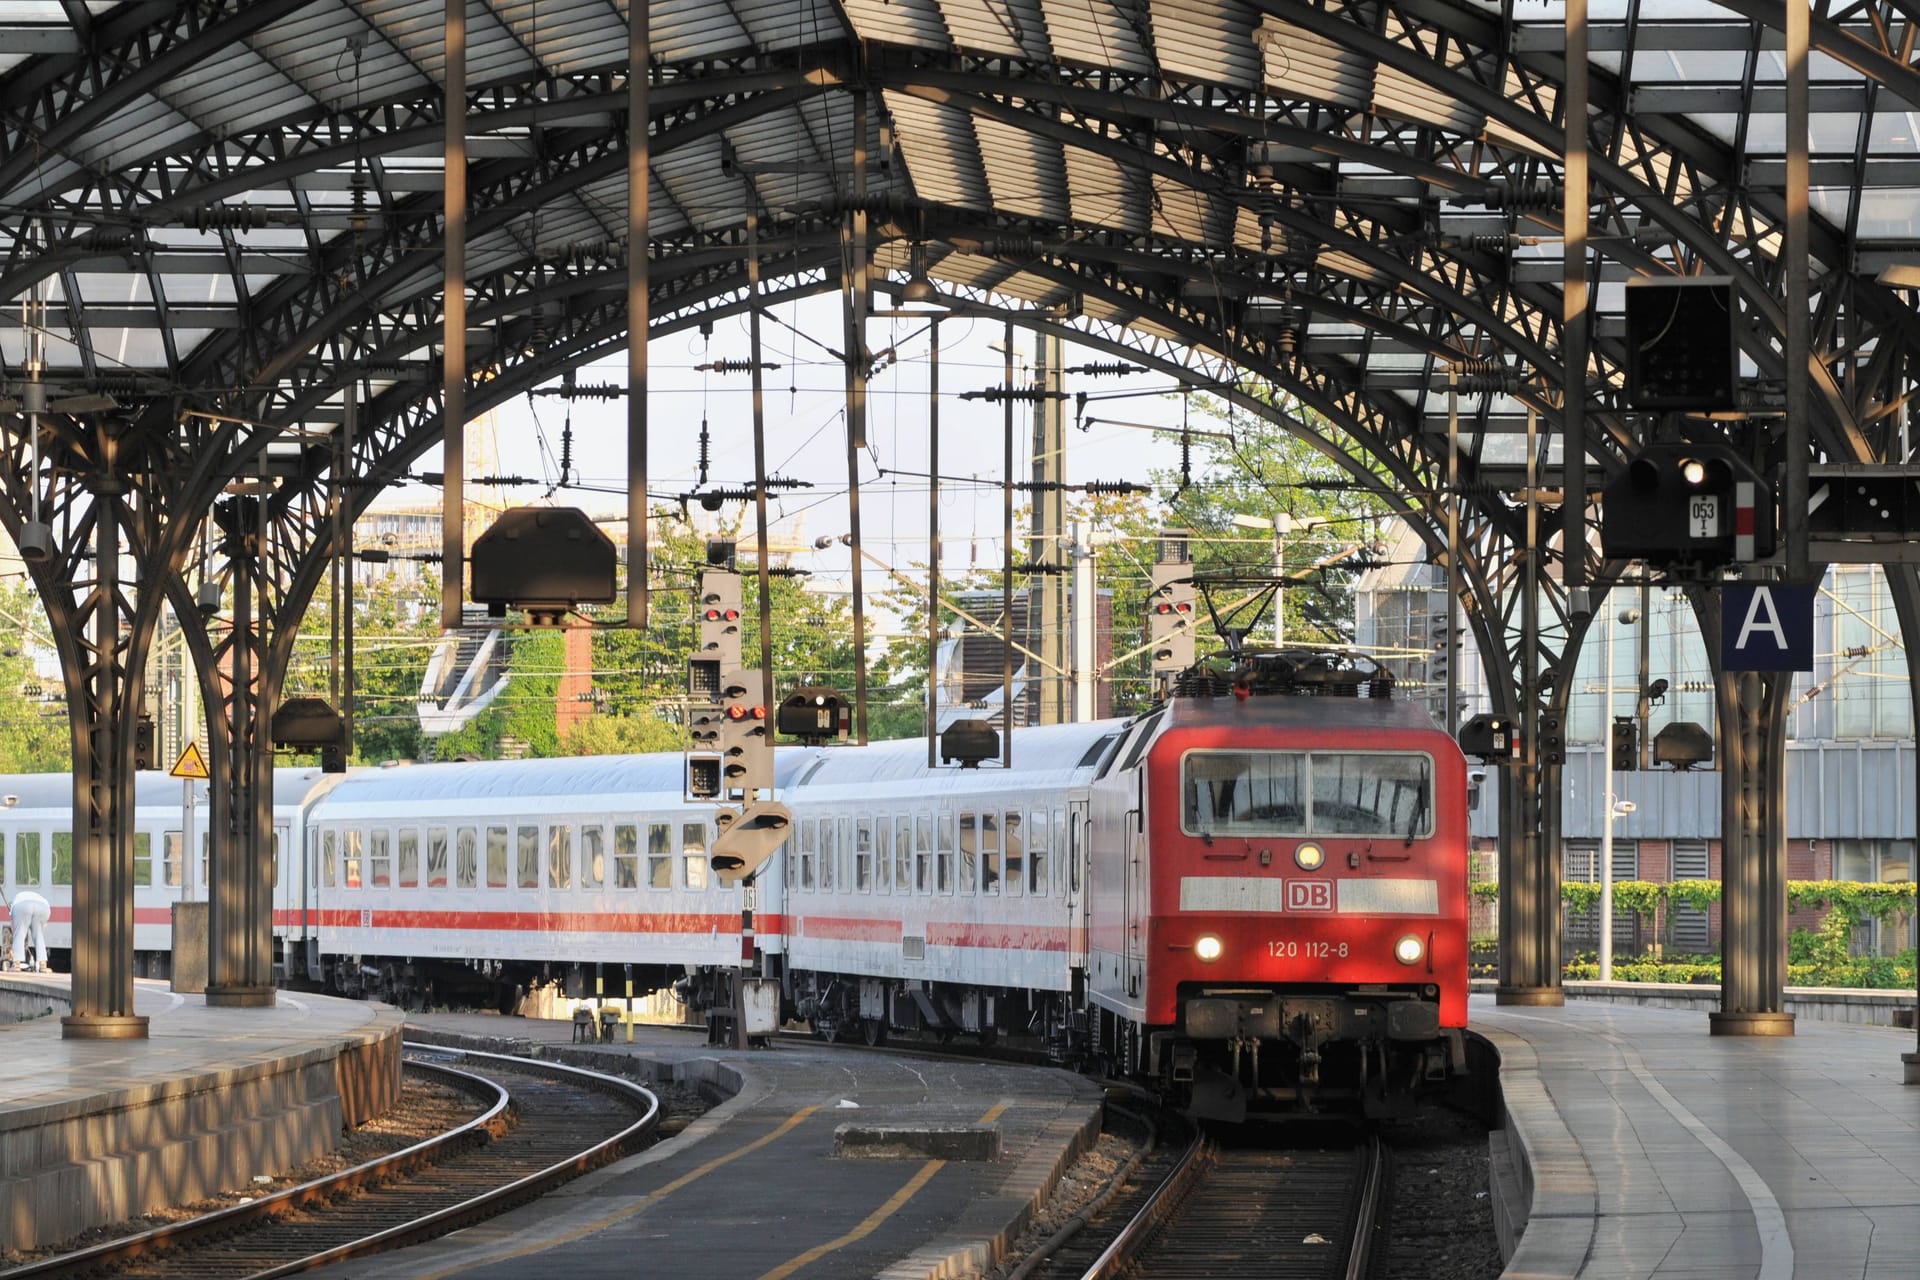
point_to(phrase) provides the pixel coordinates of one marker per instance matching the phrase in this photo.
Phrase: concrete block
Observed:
(190, 947)
(930, 1142)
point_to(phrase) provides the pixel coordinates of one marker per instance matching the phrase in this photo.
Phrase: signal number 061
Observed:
(1294, 950)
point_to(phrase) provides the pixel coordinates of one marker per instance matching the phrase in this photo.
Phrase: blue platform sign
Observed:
(1765, 627)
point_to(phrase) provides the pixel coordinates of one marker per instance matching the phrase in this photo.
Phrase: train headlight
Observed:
(1309, 857)
(1208, 947)
(1409, 949)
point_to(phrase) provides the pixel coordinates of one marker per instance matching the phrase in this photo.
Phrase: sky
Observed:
(806, 435)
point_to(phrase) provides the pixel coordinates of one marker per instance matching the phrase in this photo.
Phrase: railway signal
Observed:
(1170, 618)
(712, 670)
(1680, 503)
(746, 737)
(814, 714)
(746, 841)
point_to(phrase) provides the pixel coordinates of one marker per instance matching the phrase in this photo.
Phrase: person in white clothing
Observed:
(30, 915)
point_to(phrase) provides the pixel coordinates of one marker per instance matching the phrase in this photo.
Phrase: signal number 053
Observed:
(1293, 950)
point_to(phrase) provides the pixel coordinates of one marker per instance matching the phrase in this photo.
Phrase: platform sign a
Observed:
(1766, 627)
(191, 765)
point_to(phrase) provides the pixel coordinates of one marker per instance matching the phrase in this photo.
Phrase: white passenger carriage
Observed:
(468, 882)
(945, 899)
(37, 852)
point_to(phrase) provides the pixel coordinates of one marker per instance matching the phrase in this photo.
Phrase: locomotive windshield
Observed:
(1360, 793)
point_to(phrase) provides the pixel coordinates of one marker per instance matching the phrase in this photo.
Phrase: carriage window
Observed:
(560, 857)
(829, 853)
(143, 858)
(328, 850)
(496, 857)
(790, 855)
(1367, 793)
(1037, 870)
(528, 846)
(882, 855)
(943, 853)
(26, 858)
(593, 857)
(659, 855)
(279, 843)
(63, 857)
(969, 847)
(1015, 856)
(863, 855)
(379, 860)
(990, 853)
(809, 846)
(626, 855)
(350, 860)
(409, 859)
(436, 857)
(467, 855)
(171, 846)
(923, 854)
(693, 852)
(903, 855)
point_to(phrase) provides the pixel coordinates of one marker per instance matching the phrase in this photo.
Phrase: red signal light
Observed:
(1183, 607)
(736, 713)
(722, 615)
(759, 713)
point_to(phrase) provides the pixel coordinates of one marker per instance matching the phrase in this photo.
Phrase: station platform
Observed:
(1648, 1148)
(96, 1131)
(757, 1188)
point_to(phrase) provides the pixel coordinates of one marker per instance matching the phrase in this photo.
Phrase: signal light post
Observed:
(1170, 611)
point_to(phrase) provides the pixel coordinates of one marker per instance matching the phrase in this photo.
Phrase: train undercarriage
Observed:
(1247, 1051)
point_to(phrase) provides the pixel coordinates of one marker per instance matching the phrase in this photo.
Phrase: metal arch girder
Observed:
(130, 54)
(1652, 193)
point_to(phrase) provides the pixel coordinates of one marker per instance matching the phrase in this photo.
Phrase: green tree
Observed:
(34, 732)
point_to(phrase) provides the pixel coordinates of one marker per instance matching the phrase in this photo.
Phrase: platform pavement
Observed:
(752, 1190)
(1658, 1151)
(96, 1131)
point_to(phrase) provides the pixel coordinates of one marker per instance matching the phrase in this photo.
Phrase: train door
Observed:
(1135, 903)
(1071, 850)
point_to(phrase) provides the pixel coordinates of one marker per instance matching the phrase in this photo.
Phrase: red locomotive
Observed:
(1277, 893)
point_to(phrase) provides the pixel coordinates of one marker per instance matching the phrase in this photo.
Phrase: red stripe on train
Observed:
(850, 929)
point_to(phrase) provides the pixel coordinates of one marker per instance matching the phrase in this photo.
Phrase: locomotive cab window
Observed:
(1324, 793)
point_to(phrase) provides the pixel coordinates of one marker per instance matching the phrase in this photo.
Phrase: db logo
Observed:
(1309, 895)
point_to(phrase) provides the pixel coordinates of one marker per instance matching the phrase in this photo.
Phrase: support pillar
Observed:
(1529, 859)
(1047, 553)
(1753, 876)
(240, 865)
(103, 810)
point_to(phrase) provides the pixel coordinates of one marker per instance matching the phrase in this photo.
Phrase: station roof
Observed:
(235, 206)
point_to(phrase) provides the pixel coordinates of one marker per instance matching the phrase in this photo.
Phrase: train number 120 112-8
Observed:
(1292, 949)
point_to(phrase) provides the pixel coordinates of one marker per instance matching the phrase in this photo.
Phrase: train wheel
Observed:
(874, 1030)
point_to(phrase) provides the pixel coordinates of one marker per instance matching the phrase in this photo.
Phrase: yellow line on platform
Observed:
(601, 1224)
(872, 1221)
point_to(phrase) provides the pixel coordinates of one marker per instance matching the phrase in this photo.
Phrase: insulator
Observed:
(1490, 242)
(1105, 368)
(228, 217)
(108, 239)
(1117, 487)
(1541, 196)
(706, 443)
(732, 366)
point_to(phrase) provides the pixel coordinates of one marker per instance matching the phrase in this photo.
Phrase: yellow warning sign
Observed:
(191, 764)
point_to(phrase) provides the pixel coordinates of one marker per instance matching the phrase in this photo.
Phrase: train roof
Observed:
(1041, 754)
(656, 774)
(1294, 709)
(151, 788)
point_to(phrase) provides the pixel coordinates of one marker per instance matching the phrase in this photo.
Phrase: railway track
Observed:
(542, 1124)
(1223, 1213)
